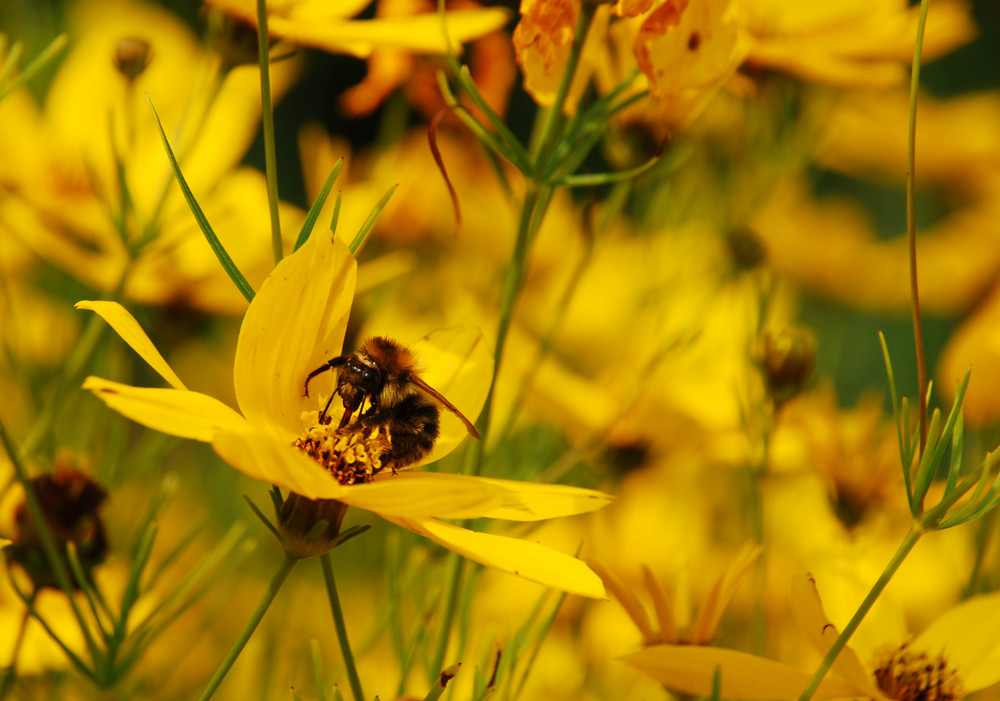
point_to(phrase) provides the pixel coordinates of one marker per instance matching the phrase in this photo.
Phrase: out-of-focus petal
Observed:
(966, 636)
(325, 26)
(178, 412)
(690, 669)
(457, 363)
(125, 325)
(808, 610)
(260, 456)
(294, 325)
(529, 560)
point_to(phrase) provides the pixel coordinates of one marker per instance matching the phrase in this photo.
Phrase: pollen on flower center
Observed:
(906, 675)
(353, 454)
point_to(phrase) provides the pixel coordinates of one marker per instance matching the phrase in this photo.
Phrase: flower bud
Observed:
(788, 362)
(132, 57)
(300, 523)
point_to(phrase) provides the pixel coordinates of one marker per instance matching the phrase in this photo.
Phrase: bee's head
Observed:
(360, 377)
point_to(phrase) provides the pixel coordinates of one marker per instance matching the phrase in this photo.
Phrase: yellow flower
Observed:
(955, 655)
(671, 629)
(331, 27)
(294, 325)
(858, 43)
(63, 194)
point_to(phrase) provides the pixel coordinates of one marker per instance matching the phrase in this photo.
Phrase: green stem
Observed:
(557, 116)
(338, 624)
(267, 123)
(265, 602)
(453, 577)
(911, 226)
(897, 559)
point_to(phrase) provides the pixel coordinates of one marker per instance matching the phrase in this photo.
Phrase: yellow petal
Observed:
(420, 33)
(324, 25)
(178, 412)
(966, 635)
(294, 325)
(457, 363)
(808, 610)
(531, 501)
(722, 593)
(423, 494)
(529, 560)
(690, 669)
(262, 457)
(125, 325)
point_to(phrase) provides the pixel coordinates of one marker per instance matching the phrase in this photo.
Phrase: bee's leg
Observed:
(322, 414)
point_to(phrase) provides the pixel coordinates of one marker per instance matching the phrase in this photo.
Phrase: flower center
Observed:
(906, 675)
(353, 454)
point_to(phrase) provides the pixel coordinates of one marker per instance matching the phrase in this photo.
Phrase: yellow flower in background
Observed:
(670, 628)
(294, 325)
(332, 27)
(857, 43)
(63, 196)
(830, 246)
(956, 654)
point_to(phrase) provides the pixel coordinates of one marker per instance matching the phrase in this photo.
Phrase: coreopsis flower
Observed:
(490, 60)
(954, 656)
(669, 628)
(847, 44)
(831, 247)
(70, 503)
(854, 452)
(685, 50)
(87, 186)
(332, 26)
(294, 325)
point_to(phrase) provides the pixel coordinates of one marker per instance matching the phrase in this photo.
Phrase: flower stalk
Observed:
(340, 626)
(287, 563)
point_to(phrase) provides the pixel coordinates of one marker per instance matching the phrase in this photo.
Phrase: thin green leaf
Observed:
(220, 251)
(487, 138)
(317, 205)
(366, 228)
(927, 466)
(949, 428)
(90, 593)
(902, 420)
(510, 140)
(957, 448)
(39, 62)
(594, 179)
(335, 219)
(141, 559)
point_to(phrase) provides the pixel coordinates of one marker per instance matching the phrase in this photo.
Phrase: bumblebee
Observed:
(384, 374)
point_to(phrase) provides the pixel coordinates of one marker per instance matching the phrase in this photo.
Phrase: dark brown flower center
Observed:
(907, 675)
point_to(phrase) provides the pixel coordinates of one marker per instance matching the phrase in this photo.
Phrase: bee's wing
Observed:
(437, 396)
